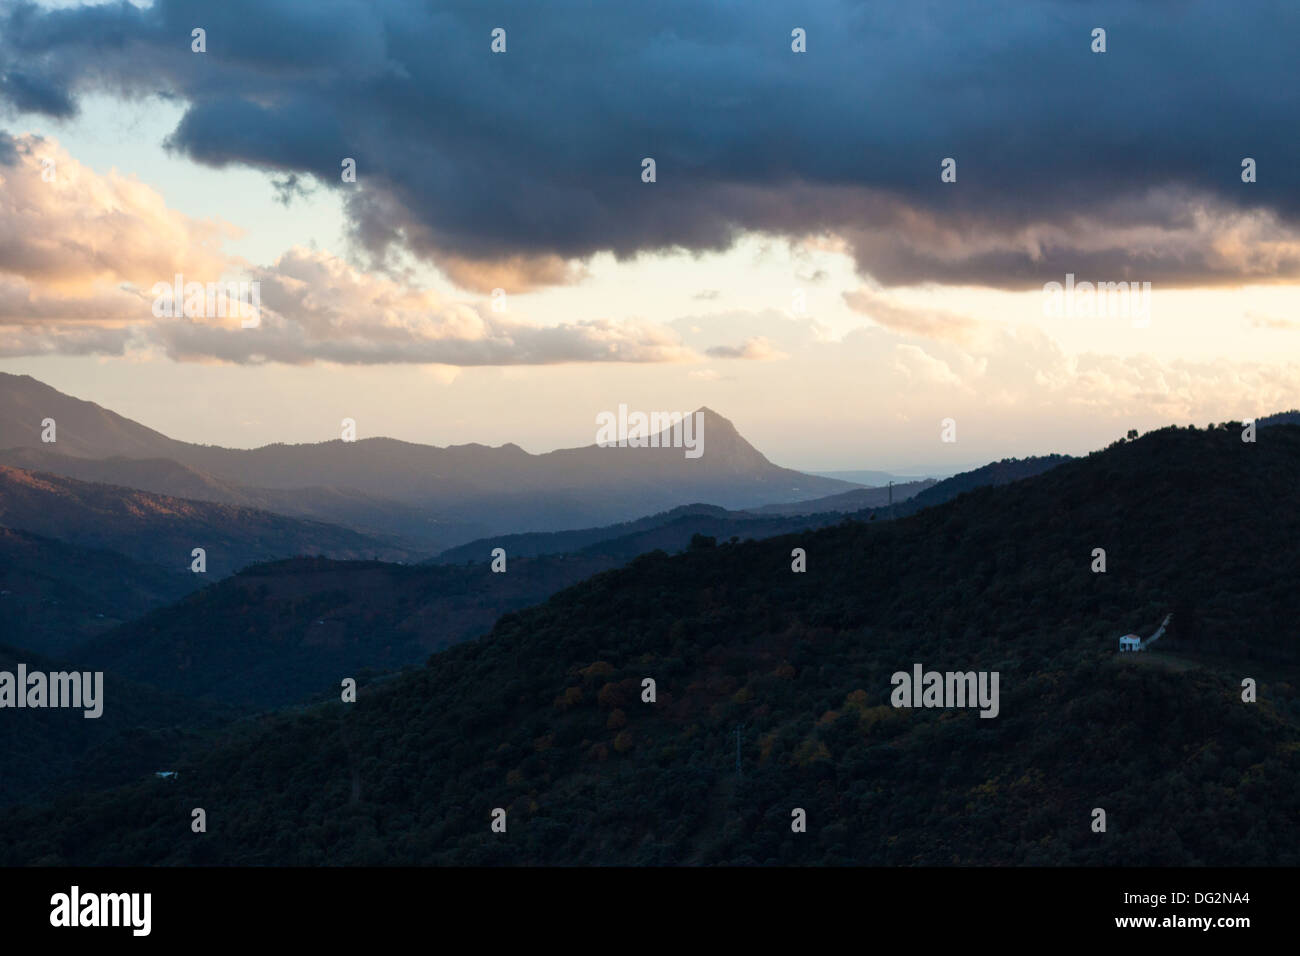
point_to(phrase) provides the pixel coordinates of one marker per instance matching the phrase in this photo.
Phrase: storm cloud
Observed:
(1122, 165)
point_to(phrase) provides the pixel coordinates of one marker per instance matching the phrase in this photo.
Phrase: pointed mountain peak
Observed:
(715, 420)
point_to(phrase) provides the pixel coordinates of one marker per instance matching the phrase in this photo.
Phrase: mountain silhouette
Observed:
(434, 497)
(164, 530)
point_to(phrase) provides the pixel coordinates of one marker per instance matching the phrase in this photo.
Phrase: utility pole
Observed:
(891, 499)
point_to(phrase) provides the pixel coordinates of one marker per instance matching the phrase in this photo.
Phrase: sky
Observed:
(500, 270)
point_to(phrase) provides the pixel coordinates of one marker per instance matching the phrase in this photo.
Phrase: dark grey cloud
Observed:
(1123, 164)
(36, 94)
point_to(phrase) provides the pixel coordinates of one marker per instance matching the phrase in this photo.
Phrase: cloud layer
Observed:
(81, 254)
(505, 169)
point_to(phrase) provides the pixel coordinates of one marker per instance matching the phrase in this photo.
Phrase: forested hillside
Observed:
(545, 719)
(45, 752)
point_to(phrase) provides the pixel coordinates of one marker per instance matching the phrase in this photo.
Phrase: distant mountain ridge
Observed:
(533, 543)
(90, 431)
(353, 509)
(870, 479)
(55, 596)
(993, 475)
(673, 530)
(461, 491)
(850, 501)
(164, 531)
(280, 631)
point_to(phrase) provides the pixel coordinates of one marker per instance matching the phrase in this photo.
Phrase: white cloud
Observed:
(917, 365)
(79, 257)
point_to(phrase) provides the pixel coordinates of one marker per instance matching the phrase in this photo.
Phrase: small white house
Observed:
(1130, 642)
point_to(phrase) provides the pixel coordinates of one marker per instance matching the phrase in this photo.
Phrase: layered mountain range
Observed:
(431, 497)
(772, 691)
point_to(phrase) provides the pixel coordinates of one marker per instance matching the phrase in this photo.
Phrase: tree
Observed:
(702, 542)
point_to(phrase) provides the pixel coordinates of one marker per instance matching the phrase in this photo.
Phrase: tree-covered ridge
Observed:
(46, 752)
(55, 596)
(994, 474)
(276, 634)
(544, 716)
